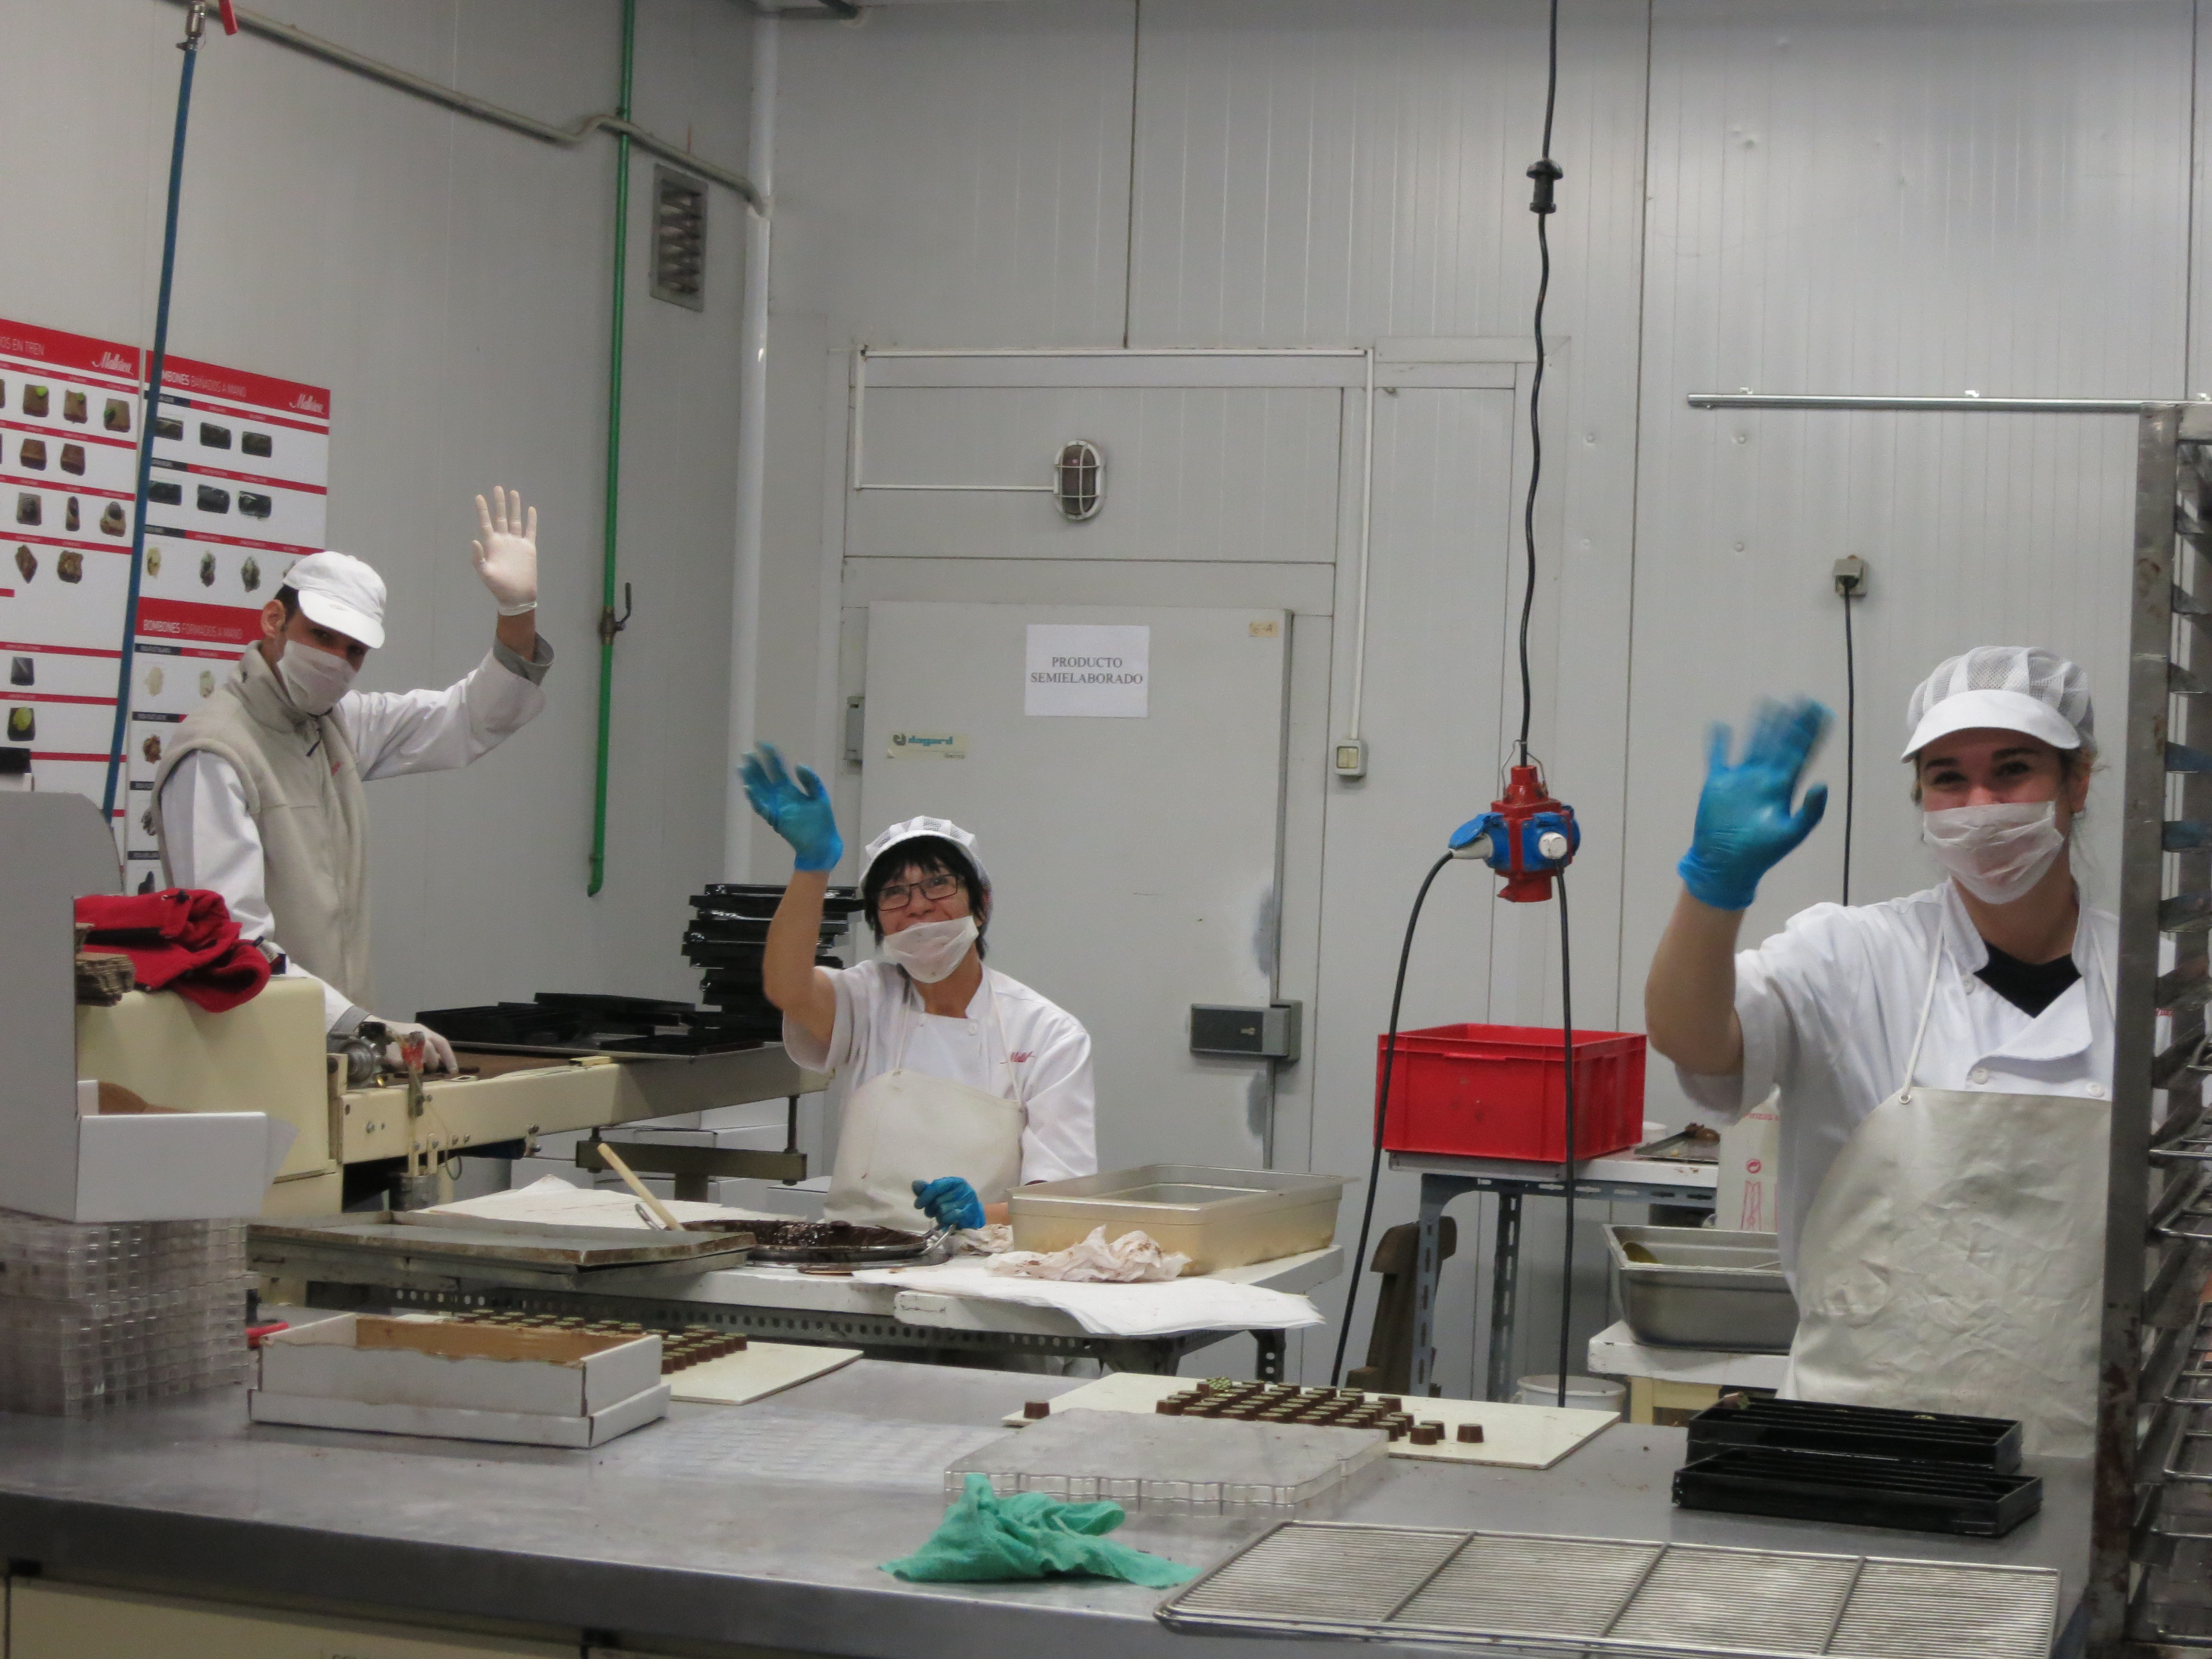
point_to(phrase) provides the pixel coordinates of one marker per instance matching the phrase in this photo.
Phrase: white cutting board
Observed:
(1513, 1436)
(754, 1371)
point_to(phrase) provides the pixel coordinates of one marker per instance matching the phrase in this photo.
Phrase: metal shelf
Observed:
(2150, 1572)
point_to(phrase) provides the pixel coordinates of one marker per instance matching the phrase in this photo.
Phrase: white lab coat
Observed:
(1830, 1006)
(209, 839)
(1049, 1053)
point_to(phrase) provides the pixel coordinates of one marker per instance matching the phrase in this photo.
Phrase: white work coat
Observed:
(210, 842)
(1830, 1006)
(1044, 1060)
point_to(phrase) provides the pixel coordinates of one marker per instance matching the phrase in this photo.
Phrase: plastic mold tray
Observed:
(1194, 1466)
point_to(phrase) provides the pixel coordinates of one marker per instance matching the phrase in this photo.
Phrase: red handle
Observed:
(229, 17)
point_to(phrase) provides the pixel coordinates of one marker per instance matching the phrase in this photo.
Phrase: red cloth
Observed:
(180, 940)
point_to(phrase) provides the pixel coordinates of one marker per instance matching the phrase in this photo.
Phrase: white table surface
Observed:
(1615, 1351)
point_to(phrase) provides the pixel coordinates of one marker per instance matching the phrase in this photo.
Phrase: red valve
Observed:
(229, 17)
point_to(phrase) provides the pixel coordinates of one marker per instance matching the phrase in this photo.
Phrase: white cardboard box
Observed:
(64, 1160)
(460, 1381)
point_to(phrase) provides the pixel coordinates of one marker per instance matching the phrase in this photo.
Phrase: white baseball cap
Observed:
(340, 591)
(2014, 688)
(913, 829)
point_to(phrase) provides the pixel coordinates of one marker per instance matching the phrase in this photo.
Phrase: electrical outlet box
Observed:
(1268, 1033)
(856, 725)
(1349, 757)
(1850, 576)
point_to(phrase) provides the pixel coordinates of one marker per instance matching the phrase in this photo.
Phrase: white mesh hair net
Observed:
(2025, 670)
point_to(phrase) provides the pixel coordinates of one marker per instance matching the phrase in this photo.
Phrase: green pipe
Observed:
(609, 624)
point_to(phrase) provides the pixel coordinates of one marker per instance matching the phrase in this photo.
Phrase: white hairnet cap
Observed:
(2014, 688)
(340, 591)
(914, 828)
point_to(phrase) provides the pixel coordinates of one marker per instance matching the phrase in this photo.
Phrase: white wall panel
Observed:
(1312, 173)
(958, 174)
(1891, 199)
(1216, 473)
(449, 280)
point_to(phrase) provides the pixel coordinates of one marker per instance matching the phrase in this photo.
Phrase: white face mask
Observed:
(316, 679)
(930, 951)
(1996, 851)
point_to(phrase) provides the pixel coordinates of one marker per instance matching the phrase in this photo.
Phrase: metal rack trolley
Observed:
(2151, 1524)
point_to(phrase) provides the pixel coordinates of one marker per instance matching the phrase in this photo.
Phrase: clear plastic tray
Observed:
(71, 1358)
(71, 1260)
(1187, 1464)
(1217, 1217)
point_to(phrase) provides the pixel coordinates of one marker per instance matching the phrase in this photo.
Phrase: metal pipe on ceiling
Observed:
(530, 126)
(1970, 403)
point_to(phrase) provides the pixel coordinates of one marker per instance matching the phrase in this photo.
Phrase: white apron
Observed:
(902, 1126)
(1954, 1258)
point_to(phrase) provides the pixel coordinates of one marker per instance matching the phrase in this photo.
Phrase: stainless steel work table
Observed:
(775, 1304)
(189, 1499)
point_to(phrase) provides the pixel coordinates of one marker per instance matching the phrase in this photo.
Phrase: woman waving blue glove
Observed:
(797, 810)
(1745, 823)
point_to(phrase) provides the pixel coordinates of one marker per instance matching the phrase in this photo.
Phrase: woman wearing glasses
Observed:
(964, 1084)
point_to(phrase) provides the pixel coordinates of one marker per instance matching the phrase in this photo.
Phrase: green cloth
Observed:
(984, 1536)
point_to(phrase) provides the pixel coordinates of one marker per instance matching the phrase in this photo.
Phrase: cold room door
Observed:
(1122, 769)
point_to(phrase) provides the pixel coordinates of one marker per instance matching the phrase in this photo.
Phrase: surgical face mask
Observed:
(930, 951)
(1996, 852)
(316, 679)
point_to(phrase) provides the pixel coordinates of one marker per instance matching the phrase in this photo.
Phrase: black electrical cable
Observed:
(1382, 1102)
(1851, 736)
(1546, 173)
(1567, 1056)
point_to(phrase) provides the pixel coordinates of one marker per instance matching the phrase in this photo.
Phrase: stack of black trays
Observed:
(561, 1019)
(728, 933)
(1861, 1464)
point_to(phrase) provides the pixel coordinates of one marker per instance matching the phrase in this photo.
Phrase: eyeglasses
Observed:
(898, 894)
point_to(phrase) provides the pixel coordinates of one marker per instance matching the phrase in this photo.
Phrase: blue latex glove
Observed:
(1745, 826)
(798, 812)
(949, 1201)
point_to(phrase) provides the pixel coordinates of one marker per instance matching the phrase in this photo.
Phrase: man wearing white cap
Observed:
(1944, 1060)
(964, 1084)
(258, 798)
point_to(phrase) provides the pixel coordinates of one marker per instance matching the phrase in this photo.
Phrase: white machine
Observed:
(252, 1116)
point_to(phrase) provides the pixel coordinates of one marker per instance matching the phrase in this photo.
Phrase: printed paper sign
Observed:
(240, 463)
(1088, 668)
(918, 745)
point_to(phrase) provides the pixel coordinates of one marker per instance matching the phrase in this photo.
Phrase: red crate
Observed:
(1499, 1091)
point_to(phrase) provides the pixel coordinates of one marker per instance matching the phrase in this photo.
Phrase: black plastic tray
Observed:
(1991, 1444)
(758, 899)
(752, 930)
(1859, 1491)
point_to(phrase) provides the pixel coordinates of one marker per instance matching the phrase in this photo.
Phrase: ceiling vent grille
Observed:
(679, 239)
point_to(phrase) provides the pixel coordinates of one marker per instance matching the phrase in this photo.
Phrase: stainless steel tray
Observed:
(1217, 1217)
(1708, 1289)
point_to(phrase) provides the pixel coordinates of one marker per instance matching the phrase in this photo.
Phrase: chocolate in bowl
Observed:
(822, 1241)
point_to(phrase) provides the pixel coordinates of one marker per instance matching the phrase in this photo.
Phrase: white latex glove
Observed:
(507, 552)
(439, 1055)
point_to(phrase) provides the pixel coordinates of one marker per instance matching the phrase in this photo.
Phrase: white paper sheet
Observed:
(550, 1201)
(1187, 1304)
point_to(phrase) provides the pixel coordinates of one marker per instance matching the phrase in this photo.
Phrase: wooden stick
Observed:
(660, 1209)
